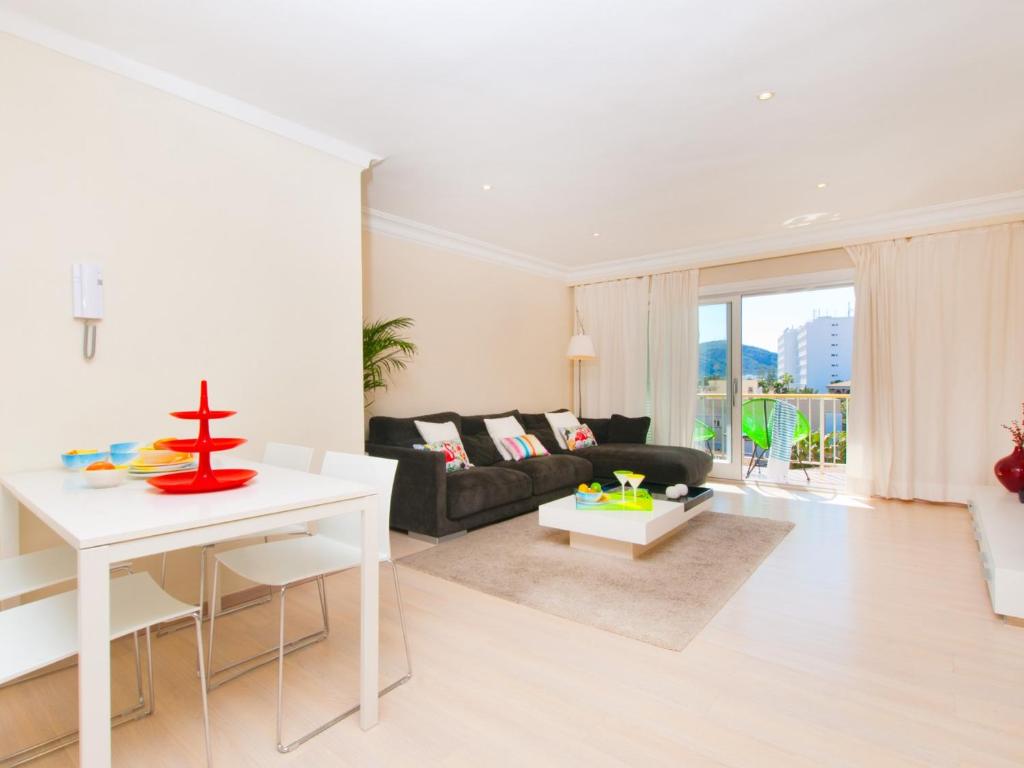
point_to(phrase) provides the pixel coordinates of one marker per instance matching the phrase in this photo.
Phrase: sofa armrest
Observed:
(419, 496)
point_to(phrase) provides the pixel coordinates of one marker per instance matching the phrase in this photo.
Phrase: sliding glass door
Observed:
(717, 387)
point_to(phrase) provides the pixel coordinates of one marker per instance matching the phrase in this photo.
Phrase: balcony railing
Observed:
(827, 414)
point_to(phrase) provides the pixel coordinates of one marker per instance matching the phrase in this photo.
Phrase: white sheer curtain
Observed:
(615, 316)
(674, 356)
(938, 361)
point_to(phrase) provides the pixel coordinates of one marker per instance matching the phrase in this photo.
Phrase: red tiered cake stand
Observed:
(204, 479)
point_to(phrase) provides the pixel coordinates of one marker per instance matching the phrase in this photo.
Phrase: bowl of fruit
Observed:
(590, 494)
(82, 457)
(103, 474)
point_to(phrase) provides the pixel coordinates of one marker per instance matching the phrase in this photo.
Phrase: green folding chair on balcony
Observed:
(757, 419)
(702, 433)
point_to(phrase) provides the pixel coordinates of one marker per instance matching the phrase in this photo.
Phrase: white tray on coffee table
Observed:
(622, 534)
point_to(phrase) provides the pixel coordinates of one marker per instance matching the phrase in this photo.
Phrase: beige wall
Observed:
(490, 337)
(229, 253)
(781, 266)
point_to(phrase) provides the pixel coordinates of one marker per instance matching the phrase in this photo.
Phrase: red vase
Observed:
(1010, 471)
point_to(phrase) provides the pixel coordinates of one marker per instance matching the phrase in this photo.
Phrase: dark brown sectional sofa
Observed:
(434, 504)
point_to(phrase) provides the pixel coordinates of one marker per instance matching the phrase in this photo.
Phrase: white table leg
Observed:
(369, 615)
(94, 657)
(10, 531)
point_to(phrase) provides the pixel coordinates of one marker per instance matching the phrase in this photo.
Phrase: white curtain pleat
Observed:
(674, 356)
(614, 314)
(938, 361)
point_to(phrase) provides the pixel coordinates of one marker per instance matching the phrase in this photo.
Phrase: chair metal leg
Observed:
(135, 712)
(163, 570)
(149, 656)
(286, 748)
(405, 634)
(216, 677)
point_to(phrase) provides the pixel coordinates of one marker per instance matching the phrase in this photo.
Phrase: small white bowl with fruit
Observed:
(103, 474)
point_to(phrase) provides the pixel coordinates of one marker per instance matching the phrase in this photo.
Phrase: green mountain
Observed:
(756, 361)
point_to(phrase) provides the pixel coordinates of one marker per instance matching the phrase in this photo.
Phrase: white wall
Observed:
(229, 253)
(490, 338)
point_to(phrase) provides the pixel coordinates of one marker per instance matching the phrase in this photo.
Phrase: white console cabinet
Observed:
(998, 518)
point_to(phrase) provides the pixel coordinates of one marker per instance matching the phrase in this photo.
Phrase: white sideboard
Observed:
(998, 518)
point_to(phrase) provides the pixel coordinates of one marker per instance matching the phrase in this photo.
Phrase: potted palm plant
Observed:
(385, 351)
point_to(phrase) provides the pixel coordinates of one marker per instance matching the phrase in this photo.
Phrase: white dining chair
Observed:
(287, 563)
(39, 634)
(286, 456)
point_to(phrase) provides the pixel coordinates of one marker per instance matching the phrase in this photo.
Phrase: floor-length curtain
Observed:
(938, 361)
(614, 314)
(674, 356)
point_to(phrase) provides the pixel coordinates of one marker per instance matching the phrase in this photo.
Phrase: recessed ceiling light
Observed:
(595, 234)
(822, 184)
(486, 187)
(765, 95)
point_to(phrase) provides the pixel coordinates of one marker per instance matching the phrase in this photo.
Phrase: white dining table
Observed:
(134, 519)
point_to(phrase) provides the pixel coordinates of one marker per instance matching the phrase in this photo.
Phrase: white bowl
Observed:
(104, 478)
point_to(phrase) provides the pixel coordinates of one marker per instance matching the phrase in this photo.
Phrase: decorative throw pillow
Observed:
(578, 437)
(559, 421)
(455, 457)
(433, 432)
(504, 427)
(524, 446)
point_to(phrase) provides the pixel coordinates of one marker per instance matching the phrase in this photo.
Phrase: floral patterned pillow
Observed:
(578, 437)
(455, 457)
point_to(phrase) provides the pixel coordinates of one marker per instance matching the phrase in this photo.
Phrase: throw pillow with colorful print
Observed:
(455, 457)
(579, 437)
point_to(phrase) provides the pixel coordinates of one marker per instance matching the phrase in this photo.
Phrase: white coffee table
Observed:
(621, 534)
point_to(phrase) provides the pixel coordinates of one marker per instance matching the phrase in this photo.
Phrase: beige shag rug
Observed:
(665, 598)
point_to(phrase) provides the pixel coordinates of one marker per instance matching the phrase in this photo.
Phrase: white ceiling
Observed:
(638, 120)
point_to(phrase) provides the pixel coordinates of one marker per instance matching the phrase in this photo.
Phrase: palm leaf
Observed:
(385, 351)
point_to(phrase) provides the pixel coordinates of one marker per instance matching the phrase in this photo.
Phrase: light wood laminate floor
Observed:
(865, 639)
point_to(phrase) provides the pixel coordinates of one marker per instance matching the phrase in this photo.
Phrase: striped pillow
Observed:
(523, 447)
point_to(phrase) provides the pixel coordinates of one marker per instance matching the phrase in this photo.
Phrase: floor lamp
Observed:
(581, 347)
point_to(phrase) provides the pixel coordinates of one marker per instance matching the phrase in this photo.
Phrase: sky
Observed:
(766, 317)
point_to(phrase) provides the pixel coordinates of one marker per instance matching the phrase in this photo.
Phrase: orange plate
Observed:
(187, 482)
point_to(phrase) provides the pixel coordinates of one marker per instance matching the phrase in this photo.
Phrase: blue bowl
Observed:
(124, 453)
(82, 460)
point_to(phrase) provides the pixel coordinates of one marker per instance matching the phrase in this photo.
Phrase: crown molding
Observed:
(22, 27)
(388, 224)
(918, 221)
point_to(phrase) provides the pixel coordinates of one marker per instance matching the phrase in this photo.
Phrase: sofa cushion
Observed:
(479, 488)
(547, 438)
(534, 421)
(622, 429)
(481, 449)
(474, 425)
(661, 464)
(549, 473)
(388, 430)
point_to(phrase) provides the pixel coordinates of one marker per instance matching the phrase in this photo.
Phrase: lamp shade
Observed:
(581, 347)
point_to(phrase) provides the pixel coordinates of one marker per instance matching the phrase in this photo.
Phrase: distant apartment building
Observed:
(817, 353)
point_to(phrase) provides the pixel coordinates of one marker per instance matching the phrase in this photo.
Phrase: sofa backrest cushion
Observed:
(623, 429)
(388, 430)
(535, 421)
(481, 449)
(599, 427)
(474, 425)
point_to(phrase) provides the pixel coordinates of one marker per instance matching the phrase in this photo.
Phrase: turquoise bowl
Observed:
(82, 460)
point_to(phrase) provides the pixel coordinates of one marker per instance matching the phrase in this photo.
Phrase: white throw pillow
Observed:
(506, 427)
(432, 432)
(559, 421)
